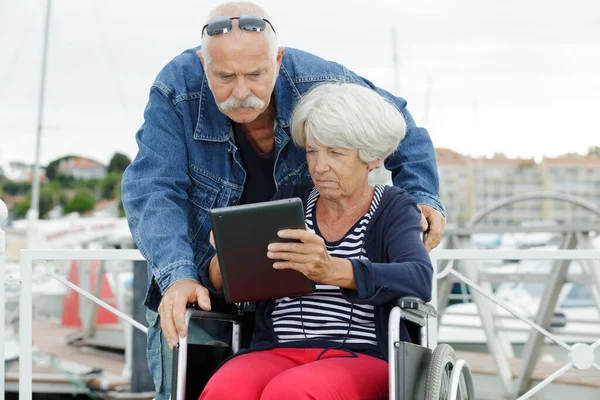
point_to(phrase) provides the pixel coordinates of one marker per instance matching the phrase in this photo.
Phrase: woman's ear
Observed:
(373, 164)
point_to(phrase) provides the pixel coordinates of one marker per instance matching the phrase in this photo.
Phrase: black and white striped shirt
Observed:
(325, 315)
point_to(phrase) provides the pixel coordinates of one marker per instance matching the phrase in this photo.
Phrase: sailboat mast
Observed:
(396, 63)
(35, 190)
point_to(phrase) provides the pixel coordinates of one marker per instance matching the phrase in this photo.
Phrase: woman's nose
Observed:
(321, 164)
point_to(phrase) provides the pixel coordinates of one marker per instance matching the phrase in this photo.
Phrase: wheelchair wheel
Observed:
(442, 362)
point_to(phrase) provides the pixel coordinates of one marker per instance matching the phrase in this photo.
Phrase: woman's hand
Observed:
(310, 257)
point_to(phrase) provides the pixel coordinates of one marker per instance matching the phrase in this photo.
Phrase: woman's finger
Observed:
(295, 247)
(299, 234)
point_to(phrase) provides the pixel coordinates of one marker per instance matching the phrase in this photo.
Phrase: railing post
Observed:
(3, 217)
(26, 327)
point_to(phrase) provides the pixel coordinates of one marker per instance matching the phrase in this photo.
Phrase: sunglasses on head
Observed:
(247, 22)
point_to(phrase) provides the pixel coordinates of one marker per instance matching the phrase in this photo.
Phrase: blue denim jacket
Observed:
(188, 163)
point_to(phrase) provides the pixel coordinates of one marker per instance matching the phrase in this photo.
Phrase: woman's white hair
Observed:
(349, 116)
(233, 9)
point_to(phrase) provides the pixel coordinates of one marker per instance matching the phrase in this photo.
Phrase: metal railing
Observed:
(581, 355)
(28, 257)
(3, 217)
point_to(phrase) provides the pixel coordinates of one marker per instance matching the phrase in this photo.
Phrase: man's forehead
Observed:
(239, 52)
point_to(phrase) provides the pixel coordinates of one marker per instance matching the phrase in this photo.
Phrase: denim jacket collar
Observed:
(214, 126)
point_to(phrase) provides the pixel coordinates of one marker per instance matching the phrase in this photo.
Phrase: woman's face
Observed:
(336, 172)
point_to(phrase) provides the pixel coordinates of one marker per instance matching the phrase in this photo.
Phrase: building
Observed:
(82, 168)
(469, 185)
(576, 175)
(456, 184)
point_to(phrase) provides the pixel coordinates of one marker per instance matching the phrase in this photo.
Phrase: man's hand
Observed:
(173, 304)
(433, 223)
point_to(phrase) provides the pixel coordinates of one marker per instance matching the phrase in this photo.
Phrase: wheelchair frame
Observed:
(412, 375)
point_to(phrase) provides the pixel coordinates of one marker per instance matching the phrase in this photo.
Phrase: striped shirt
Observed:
(325, 315)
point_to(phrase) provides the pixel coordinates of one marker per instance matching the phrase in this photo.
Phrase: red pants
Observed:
(295, 374)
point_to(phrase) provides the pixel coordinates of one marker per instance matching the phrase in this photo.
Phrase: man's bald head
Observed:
(232, 8)
(235, 9)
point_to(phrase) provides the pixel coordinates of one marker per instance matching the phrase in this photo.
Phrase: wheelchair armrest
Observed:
(415, 309)
(417, 305)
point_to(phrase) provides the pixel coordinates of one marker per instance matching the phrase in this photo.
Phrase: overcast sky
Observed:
(514, 76)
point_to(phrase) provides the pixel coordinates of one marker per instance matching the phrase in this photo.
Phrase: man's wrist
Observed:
(428, 200)
(176, 272)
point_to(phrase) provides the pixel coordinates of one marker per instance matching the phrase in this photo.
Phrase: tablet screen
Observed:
(242, 234)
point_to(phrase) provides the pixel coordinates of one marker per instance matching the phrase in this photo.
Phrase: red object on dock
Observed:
(70, 313)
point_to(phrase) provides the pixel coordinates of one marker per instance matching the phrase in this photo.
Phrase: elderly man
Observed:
(216, 133)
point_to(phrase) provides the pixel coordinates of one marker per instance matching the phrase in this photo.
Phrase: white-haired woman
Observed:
(362, 247)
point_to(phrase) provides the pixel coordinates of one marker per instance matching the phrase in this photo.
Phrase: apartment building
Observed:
(469, 185)
(576, 175)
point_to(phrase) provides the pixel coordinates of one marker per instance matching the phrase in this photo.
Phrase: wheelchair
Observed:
(416, 372)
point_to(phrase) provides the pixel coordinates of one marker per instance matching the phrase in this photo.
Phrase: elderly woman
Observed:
(362, 248)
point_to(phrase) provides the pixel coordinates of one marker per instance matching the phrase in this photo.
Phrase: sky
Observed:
(520, 77)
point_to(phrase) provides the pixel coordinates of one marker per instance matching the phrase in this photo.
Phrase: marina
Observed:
(517, 283)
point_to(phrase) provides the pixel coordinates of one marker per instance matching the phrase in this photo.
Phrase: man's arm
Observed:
(154, 198)
(414, 168)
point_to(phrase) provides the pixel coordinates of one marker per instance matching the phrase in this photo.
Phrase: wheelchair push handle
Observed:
(194, 311)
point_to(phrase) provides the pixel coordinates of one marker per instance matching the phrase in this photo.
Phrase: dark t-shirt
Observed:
(259, 185)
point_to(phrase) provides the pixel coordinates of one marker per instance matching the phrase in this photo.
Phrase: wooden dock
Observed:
(480, 363)
(60, 367)
(63, 368)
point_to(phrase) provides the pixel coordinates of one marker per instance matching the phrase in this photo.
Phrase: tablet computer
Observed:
(242, 234)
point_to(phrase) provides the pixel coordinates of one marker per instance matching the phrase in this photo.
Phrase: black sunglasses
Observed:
(247, 22)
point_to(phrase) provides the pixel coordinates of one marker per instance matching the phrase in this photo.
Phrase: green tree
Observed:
(52, 168)
(20, 208)
(16, 188)
(63, 198)
(82, 201)
(110, 184)
(47, 200)
(2, 182)
(118, 163)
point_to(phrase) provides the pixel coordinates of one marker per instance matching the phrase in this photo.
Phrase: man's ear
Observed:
(280, 52)
(199, 54)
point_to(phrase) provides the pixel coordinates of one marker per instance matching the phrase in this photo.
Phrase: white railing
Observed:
(28, 257)
(581, 355)
(3, 217)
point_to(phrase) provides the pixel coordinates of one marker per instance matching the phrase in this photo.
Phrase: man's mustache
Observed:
(233, 103)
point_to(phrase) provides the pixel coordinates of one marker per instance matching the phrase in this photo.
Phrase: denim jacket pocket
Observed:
(202, 198)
